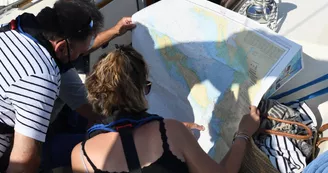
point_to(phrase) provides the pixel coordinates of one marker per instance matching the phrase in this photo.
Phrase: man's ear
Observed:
(61, 49)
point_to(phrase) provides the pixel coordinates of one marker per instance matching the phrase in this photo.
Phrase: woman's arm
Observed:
(233, 159)
(199, 162)
(248, 125)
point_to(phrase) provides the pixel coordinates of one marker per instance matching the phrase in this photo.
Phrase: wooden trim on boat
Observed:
(22, 4)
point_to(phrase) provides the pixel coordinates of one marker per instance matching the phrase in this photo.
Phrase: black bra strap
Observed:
(130, 150)
(89, 160)
(162, 129)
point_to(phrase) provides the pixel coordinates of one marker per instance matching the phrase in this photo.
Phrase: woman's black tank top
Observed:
(167, 163)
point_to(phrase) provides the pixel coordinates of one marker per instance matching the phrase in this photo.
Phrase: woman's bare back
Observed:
(106, 151)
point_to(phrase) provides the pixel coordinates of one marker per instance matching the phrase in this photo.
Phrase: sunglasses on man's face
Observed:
(148, 87)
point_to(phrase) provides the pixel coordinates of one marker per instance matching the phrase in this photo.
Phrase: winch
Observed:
(262, 11)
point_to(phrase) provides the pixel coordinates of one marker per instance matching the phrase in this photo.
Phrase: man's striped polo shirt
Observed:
(29, 85)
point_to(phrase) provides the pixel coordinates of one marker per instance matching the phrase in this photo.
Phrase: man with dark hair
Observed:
(72, 90)
(34, 52)
(73, 93)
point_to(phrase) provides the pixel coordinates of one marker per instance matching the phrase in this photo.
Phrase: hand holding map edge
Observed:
(250, 123)
(124, 25)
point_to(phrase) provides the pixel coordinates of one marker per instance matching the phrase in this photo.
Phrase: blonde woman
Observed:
(117, 88)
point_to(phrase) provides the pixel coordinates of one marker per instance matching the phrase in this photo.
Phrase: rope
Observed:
(272, 18)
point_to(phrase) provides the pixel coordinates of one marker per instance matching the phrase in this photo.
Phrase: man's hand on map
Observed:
(124, 25)
(194, 126)
(250, 123)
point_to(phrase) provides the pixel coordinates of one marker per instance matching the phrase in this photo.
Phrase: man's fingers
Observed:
(127, 20)
(131, 26)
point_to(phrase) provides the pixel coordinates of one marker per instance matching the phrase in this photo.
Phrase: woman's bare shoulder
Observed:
(76, 159)
(95, 148)
(175, 130)
(172, 124)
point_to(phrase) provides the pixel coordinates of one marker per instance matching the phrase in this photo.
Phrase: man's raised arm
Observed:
(119, 29)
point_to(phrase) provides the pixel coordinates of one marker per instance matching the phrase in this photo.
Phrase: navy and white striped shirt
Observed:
(29, 85)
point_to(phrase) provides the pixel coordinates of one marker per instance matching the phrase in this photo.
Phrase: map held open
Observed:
(208, 65)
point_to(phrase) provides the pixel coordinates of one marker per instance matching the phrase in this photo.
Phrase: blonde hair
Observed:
(118, 81)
